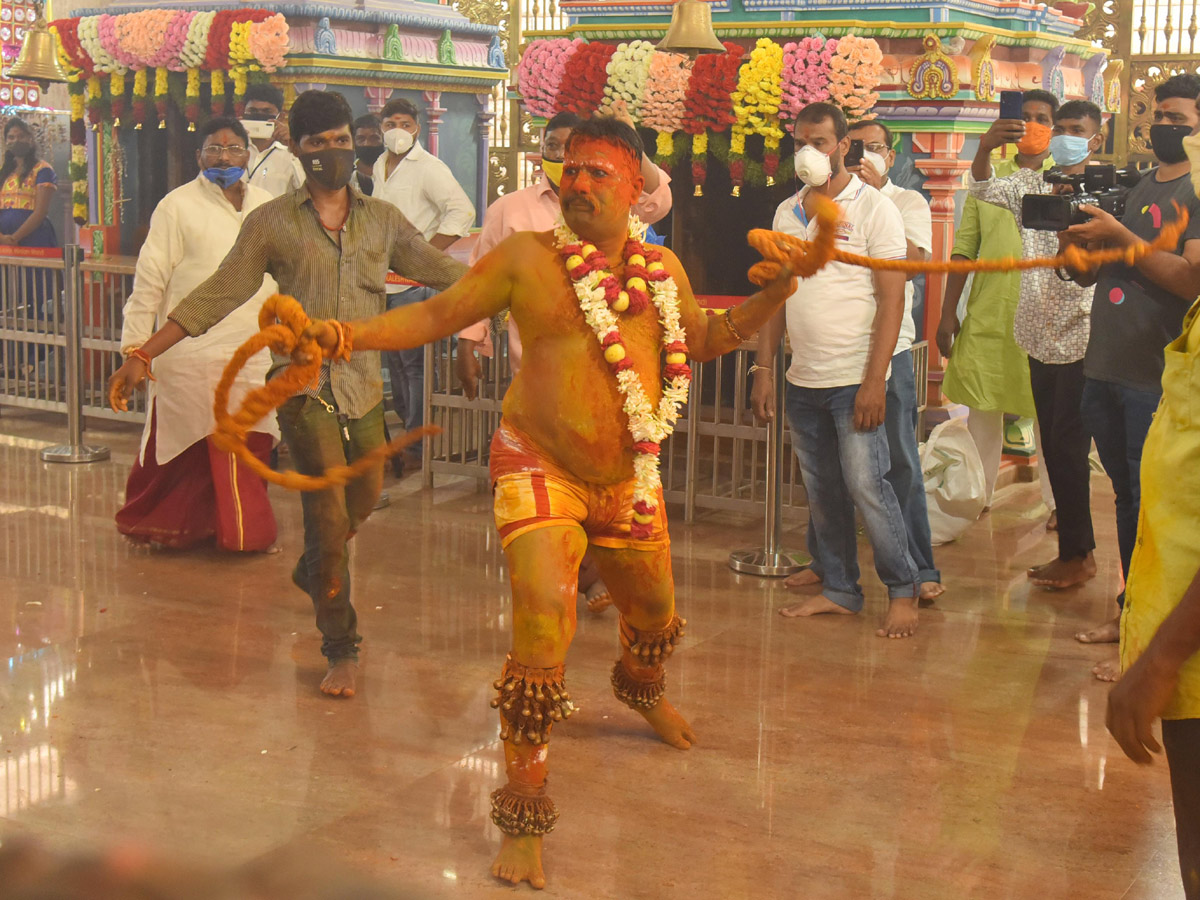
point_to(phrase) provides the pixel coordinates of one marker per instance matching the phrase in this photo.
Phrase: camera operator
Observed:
(1140, 311)
(1052, 325)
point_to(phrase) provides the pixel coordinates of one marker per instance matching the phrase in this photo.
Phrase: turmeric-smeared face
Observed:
(600, 183)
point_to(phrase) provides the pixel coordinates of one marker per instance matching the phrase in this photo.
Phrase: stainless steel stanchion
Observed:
(75, 450)
(771, 560)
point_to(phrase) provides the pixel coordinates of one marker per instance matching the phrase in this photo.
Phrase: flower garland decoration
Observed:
(116, 92)
(71, 55)
(240, 80)
(161, 88)
(191, 108)
(805, 74)
(110, 30)
(77, 167)
(216, 86)
(601, 299)
(140, 35)
(95, 102)
(708, 104)
(195, 45)
(756, 106)
(662, 107)
(541, 71)
(627, 70)
(268, 42)
(89, 41)
(855, 70)
(141, 83)
(583, 82)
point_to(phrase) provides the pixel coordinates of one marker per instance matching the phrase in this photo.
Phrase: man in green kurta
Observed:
(985, 369)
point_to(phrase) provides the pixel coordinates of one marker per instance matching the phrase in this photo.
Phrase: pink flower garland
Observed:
(805, 74)
(268, 41)
(540, 73)
(666, 88)
(111, 42)
(140, 36)
(854, 73)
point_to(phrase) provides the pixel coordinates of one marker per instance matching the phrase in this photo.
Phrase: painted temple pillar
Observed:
(483, 126)
(943, 168)
(433, 113)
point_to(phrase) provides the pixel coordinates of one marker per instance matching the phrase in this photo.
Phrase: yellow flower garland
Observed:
(756, 101)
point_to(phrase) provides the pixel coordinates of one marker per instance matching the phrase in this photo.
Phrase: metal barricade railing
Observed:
(32, 333)
(60, 337)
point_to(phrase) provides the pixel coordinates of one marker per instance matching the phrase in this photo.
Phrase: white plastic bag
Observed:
(955, 487)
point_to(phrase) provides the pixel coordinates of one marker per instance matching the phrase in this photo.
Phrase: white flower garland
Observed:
(593, 285)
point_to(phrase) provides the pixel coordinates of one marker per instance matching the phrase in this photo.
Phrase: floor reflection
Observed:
(171, 699)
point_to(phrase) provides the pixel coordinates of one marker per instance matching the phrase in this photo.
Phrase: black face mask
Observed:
(331, 169)
(368, 153)
(1167, 142)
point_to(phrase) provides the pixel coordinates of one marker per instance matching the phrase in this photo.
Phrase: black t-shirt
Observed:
(1134, 319)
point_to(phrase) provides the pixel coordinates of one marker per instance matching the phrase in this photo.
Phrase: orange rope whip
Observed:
(282, 322)
(808, 257)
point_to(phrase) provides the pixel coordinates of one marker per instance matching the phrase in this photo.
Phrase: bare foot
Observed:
(804, 578)
(814, 606)
(598, 597)
(901, 618)
(1064, 573)
(669, 725)
(1109, 670)
(1052, 522)
(520, 859)
(1108, 633)
(339, 680)
(931, 590)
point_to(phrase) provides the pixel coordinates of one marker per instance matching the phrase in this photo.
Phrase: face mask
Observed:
(1036, 140)
(258, 129)
(1070, 149)
(552, 169)
(1167, 142)
(878, 163)
(812, 166)
(20, 148)
(225, 178)
(398, 141)
(369, 153)
(332, 169)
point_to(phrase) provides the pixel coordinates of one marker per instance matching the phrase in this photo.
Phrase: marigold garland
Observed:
(77, 167)
(141, 81)
(161, 89)
(216, 86)
(756, 108)
(708, 103)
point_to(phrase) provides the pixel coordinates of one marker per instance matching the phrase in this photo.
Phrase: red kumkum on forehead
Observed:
(608, 155)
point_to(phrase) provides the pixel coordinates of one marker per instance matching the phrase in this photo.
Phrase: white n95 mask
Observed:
(812, 166)
(398, 140)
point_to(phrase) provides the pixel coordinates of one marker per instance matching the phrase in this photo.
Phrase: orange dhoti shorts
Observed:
(531, 491)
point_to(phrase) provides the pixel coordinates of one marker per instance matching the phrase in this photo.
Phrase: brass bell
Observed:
(691, 30)
(38, 60)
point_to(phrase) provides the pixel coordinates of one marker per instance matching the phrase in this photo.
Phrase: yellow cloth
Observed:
(1167, 554)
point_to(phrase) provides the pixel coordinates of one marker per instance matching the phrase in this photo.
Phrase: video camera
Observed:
(1102, 186)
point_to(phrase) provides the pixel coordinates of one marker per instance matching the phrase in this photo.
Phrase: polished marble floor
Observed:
(171, 699)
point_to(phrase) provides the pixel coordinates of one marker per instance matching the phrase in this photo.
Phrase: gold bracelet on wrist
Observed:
(733, 329)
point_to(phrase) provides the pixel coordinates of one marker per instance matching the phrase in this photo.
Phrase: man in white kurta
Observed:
(182, 489)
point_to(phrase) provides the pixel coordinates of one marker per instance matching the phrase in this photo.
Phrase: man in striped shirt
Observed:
(329, 247)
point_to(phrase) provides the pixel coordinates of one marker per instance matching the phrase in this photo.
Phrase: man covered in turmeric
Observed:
(608, 324)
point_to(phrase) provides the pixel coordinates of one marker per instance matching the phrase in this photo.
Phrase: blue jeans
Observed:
(844, 469)
(406, 370)
(1119, 418)
(905, 475)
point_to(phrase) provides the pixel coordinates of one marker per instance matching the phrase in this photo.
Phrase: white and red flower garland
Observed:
(601, 298)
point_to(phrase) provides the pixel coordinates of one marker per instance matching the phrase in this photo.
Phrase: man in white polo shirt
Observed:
(272, 166)
(905, 475)
(423, 188)
(843, 324)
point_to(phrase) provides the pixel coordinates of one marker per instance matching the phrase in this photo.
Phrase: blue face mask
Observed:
(225, 178)
(1069, 149)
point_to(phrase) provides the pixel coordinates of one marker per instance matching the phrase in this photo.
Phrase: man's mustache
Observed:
(575, 201)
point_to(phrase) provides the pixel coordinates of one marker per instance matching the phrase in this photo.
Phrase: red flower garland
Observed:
(708, 103)
(68, 36)
(583, 81)
(216, 54)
